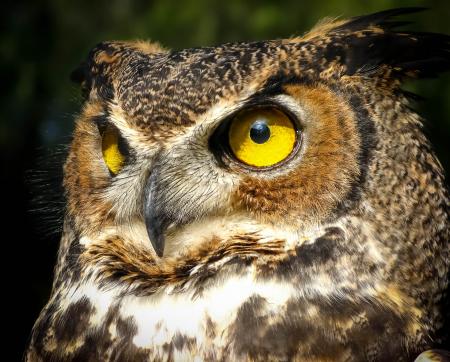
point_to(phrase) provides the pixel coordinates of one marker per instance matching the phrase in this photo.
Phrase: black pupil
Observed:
(259, 132)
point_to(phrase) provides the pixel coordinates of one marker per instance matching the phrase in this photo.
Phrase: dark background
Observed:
(42, 41)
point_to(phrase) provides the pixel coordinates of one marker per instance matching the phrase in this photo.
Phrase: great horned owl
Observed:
(274, 200)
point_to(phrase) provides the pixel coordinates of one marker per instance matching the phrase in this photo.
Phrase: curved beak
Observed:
(156, 218)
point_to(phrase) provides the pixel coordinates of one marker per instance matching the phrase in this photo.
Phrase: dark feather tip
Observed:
(380, 18)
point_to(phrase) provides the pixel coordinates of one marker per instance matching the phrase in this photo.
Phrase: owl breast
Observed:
(240, 308)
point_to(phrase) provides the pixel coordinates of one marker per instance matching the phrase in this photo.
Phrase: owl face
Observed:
(167, 156)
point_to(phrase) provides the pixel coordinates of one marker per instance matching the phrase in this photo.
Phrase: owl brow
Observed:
(103, 121)
(259, 100)
(275, 85)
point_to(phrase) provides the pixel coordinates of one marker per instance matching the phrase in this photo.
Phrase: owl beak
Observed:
(156, 226)
(156, 219)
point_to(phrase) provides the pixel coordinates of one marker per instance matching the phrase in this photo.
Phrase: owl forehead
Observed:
(163, 91)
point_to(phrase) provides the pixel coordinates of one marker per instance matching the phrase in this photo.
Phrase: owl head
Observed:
(174, 149)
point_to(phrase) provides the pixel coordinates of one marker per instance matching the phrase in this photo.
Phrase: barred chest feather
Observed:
(214, 324)
(293, 308)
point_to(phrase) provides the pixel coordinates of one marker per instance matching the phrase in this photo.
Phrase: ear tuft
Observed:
(381, 19)
(370, 43)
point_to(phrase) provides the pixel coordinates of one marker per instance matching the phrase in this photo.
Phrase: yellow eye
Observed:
(112, 155)
(262, 137)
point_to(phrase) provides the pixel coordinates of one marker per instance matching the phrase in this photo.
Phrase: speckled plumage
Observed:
(340, 253)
